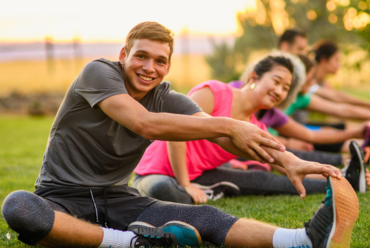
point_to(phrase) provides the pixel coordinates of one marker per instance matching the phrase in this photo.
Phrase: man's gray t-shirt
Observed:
(86, 148)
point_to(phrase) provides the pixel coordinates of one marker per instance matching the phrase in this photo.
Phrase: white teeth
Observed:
(145, 78)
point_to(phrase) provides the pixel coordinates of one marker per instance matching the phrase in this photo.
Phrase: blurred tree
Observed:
(344, 21)
(222, 62)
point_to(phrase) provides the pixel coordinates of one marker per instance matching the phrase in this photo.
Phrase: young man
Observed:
(293, 41)
(110, 114)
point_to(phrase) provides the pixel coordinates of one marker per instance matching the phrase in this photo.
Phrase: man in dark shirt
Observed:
(109, 116)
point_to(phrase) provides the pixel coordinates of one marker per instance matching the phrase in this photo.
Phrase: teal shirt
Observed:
(302, 101)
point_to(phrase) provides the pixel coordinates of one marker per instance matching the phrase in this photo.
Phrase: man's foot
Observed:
(332, 223)
(173, 233)
(219, 190)
(355, 171)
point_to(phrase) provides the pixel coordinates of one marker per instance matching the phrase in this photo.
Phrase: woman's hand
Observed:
(297, 169)
(196, 194)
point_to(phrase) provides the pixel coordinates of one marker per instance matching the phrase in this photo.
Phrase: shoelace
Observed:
(150, 240)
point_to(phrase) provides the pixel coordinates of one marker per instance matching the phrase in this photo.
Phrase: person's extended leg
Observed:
(40, 221)
(335, 159)
(220, 228)
(258, 182)
(161, 187)
(214, 226)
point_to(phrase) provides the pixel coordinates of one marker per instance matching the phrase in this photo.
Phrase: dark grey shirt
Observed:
(86, 148)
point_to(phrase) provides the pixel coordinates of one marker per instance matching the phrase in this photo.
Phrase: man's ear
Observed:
(122, 56)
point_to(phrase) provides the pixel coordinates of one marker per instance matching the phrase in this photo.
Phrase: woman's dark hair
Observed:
(324, 49)
(267, 63)
(308, 63)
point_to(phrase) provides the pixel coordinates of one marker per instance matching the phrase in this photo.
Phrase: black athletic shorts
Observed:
(114, 207)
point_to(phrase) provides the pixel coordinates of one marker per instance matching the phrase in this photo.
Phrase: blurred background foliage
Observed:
(343, 21)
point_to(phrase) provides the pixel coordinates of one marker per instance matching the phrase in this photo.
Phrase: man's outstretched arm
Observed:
(174, 127)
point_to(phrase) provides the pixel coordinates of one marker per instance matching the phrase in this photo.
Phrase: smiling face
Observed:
(145, 66)
(273, 87)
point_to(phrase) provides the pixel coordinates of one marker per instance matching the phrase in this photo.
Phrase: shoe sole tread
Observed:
(346, 209)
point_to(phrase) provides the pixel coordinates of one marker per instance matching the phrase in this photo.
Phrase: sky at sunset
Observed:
(110, 20)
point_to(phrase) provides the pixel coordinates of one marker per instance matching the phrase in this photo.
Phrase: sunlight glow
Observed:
(111, 20)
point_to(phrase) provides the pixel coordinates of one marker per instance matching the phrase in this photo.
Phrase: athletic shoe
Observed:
(219, 190)
(332, 223)
(173, 233)
(355, 171)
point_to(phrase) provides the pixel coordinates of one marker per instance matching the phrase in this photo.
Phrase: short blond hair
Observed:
(150, 31)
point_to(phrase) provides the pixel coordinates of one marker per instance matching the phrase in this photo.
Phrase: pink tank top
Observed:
(201, 155)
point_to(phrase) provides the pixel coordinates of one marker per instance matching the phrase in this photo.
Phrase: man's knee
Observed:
(29, 215)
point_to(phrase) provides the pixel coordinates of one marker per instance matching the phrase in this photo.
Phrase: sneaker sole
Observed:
(362, 181)
(215, 185)
(178, 228)
(189, 233)
(346, 209)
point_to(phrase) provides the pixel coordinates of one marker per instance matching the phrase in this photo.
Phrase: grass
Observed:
(23, 141)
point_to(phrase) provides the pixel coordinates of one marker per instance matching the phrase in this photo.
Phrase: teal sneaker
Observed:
(333, 222)
(173, 233)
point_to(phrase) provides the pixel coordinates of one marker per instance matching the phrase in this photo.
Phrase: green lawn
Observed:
(23, 140)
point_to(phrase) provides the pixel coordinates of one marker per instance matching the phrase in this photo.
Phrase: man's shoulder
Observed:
(101, 64)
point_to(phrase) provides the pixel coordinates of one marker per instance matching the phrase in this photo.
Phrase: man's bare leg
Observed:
(250, 233)
(69, 231)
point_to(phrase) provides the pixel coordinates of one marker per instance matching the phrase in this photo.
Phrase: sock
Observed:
(116, 239)
(294, 238)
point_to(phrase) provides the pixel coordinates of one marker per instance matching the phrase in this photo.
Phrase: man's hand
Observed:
(196, 194)
(297, 169)
(249, 138)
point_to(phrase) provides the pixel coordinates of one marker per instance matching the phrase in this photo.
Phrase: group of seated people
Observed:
(196, 171)
(118, 112)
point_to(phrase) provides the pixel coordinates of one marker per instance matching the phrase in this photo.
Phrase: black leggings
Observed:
(33, 217)
(250, 182)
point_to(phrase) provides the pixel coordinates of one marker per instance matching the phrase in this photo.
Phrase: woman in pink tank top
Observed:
(188, 172)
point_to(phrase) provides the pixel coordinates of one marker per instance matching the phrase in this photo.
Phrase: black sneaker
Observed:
(219, 190)
(173, 233)
(333, 222)
(355, 171)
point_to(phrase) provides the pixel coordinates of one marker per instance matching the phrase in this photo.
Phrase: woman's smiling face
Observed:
(273, 86)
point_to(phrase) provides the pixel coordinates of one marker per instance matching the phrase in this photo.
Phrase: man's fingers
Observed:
(325, 170)
(270, 141)
(263, 154)
(254, 155)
